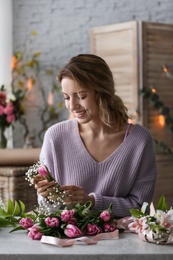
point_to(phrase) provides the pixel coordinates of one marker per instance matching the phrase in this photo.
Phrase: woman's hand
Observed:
(75, 194)
(43, 186)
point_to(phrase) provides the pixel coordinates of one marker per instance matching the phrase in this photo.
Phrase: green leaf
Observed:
(10, 209)
(154, 97)
(22, 207)
(162, 204)
(165, 111)
(16, 208)
(137, 213)
(16, 228)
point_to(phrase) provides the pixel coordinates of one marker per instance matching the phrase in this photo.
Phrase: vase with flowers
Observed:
(10, 110)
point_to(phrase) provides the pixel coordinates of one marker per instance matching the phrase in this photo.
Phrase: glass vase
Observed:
(3, 139)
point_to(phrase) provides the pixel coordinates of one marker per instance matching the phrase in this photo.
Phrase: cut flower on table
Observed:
(155, 229)
(71, 223)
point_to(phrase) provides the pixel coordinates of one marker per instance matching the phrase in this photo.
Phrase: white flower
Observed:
(144, 206)
(165, 219)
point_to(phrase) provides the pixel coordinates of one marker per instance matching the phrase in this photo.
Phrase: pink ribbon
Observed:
(87, 240)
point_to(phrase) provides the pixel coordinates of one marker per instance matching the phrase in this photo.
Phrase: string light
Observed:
(166, 72)
(161, 120)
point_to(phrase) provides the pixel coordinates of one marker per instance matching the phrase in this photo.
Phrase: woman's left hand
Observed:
(75, 194)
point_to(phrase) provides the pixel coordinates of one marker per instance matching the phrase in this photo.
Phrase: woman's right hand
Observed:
(43, 186)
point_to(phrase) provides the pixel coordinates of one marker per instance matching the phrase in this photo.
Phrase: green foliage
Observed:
(12, 215)
(162, 204)
(163, 110)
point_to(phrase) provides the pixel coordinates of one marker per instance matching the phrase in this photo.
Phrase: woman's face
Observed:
(80, 101)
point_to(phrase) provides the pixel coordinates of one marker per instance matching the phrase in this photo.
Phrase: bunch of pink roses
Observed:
(10, 106)
(71, 223)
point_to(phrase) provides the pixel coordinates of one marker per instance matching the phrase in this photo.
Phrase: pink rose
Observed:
(34, 233)
(72, 231)
(105, 215)
(8, 110)
(10, 118)
(52, 222)
(65, 215)
(43, 171)
(92, 229)
(109, 227)
(1, 110)
(26, 223)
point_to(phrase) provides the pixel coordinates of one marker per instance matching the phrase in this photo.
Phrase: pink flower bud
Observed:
(72, 231)
(66, 215)
(34, 233)
(43, 171)
(26, 223)
(92, 229)
(52, 222)
(105, 215)
(109, 227)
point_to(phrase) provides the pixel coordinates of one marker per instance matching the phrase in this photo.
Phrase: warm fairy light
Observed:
(161, 120)
(29, 84)
(165, 69)
(153, 90)
(13, 62)
(50, 99)
(166, 72)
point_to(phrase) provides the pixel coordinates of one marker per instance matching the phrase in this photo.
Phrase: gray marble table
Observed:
(18, 246)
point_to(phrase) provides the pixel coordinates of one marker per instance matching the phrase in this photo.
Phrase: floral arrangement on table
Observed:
(11, 109)
(60, 222)
(155, 229)
(51, 221)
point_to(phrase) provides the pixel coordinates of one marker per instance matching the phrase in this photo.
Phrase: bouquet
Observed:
(39, 171)
(62, 222)
(11, 109)
(65, 223)
(68, 222)
(10, 106)
(155, 229)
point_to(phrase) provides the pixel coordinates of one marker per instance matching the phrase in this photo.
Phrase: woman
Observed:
(98, 156)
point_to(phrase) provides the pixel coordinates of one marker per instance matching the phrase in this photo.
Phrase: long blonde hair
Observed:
(92, 72)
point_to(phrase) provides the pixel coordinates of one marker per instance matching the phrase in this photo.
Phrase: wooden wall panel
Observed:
(117, 44)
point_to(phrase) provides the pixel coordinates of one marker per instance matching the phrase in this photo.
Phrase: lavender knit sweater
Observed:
(126, 178)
